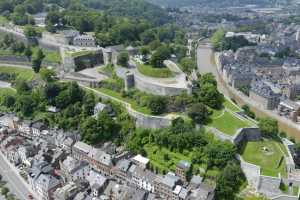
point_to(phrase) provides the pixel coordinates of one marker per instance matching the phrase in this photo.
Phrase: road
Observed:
(15, 182)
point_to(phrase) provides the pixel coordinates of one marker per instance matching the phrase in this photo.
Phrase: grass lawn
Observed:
(133, 103)
(148, 70)
(22, 73)
(271, 160)
(231, 106)
(227, 122)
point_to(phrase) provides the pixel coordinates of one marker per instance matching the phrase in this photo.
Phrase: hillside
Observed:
(137, 9)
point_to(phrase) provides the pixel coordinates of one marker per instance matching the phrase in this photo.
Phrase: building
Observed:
(37, 128)
(84, 41)
(97, 182)
(67, 192)
(81, 150)
(143, 179)
(264, 94)
(72, 169)
(164, 186)
(182, 169)
(45, 186)
(141, 161)
(289, 109)
(100, 161)
(120, 171)
(42, 181)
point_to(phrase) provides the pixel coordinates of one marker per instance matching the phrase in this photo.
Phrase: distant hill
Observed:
(139, 9)
(180, 3)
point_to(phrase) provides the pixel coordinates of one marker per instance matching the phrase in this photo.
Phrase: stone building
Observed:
(84, 41)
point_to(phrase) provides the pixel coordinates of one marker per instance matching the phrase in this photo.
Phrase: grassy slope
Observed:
(253, 153)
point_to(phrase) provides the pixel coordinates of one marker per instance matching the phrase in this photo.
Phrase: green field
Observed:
(50, 56)
(148, 70)
(22, 73)
(132, 102)
(268, 154)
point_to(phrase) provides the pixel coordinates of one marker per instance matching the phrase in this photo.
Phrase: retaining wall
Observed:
(251, 171)
(156, 89)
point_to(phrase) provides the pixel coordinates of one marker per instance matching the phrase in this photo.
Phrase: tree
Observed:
(268, 127)
(22, 87)
(37, 61)
(220, 153)
(4, 191)
(157, 104)
(187, 65)
(210, 96)
(144, 51)
(98, 130)
(47, 74)
(217, 39)
(199, 113)
(30, 32)
(160, 55)
(25, 105)
(28, 53)
(208, 78)
(123, 59)
(8, 101)
(229, 181)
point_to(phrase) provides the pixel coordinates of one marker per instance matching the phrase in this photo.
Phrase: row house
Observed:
(143, 179)
(98, 159)
(165, 186)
